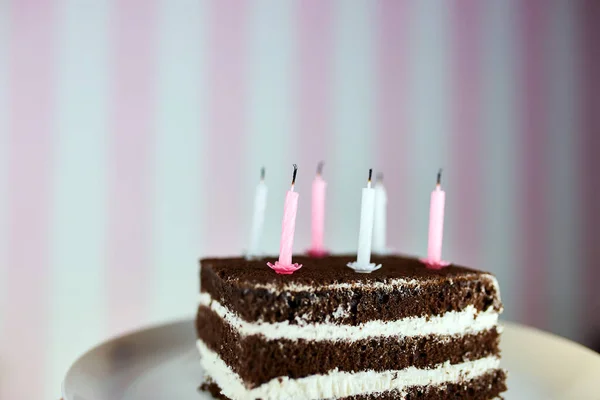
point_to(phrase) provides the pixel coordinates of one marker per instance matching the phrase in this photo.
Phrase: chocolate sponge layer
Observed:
(241, 286)
(258, 360)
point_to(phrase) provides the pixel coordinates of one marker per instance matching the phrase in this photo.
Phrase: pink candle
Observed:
(284, 266)
(436, 226)
(318, 214)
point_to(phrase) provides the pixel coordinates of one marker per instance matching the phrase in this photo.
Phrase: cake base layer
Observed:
(339, 384)
(258, 360)
(485, 387)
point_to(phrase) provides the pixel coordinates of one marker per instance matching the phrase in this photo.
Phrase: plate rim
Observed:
(119, 337)
(513, 327)
(530, 330)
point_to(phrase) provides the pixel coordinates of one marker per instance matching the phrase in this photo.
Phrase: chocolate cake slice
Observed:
(327, 332)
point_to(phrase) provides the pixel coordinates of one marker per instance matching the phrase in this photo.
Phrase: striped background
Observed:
(132, 133)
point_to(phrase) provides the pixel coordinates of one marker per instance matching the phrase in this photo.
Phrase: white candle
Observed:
(258, 218)
(380, 218)
(365, 234)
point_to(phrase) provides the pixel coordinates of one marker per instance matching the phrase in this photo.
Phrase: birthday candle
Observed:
(380, 218)
(258, 217)
(436, 226)
(284, 265)
(318, 214)
(365, 234)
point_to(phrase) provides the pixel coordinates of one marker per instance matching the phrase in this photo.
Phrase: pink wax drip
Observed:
(317, 253)
(282, 269)
(434, 264)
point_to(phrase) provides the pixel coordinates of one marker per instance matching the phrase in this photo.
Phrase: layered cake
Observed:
(326, 332)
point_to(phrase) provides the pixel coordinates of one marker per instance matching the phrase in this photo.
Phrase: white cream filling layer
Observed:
(450, 323)
(336, 384)
(298, 287)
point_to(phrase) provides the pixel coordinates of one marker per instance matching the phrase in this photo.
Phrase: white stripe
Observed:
(179, 170)
(561, 105)
(4, 63)
(429, 116)
(79, 204)
(297, 287)
(500, 142)
(353, 120)
(271, 50)
(338, 384)
(462, 322)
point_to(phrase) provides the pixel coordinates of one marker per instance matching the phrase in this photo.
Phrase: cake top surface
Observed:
(332, 270)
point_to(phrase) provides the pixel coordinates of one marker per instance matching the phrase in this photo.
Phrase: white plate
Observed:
(162, 363)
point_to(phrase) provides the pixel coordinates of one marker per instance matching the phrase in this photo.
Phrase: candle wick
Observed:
(370, 177)
(439, 178)
(262, 174)
(294, 176)
(320, 168)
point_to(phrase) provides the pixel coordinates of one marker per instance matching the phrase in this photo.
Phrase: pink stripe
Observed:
(314, 101)
(466, 140)
(227, 79)
(30, 163)
(132, 133)
(533, 24)
(393, 101)
(590, 162)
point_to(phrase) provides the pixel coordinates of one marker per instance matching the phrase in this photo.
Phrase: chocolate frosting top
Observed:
(328, 270)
